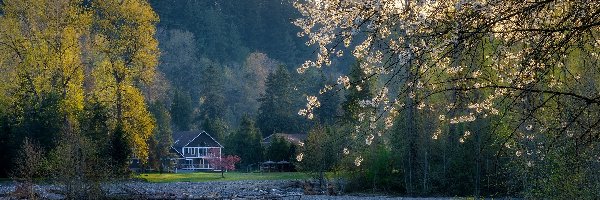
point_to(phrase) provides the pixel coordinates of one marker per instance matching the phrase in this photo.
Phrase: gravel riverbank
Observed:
(275, 189)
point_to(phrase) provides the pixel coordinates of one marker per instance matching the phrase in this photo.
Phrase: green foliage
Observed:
(280, 150)
(127, 54)
(221, 28)
(182, 111)
(78, 164)
(330, 111)
(351, 105)
(120, 150)
(162, 140)
(76, 69)
(39, 119)
(213, 96)
(94, 124)
(564, 173)
(322, 150)
(179, 60)
(275, 112)
(246, 143)
(217, 128)
(378, 174)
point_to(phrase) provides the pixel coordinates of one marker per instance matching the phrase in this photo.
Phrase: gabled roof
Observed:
(193, 138)
(296, 139)
(174, 151)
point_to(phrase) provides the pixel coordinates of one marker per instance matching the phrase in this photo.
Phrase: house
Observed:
(193, 149)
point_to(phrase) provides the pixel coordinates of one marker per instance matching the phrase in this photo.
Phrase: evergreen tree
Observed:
(182, 111)
(95, 124)
(213, 92)
(330, 110)
(216, 127)
(246, 143)
(275, 112)
(362, 91)
(120, 151)
(280, 150)
(162, 140)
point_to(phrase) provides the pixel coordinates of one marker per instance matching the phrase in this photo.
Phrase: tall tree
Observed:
(162, 141)
(179, 60)
(256, 69)
(524, 72)
(182, 111)
(127, 52)
(42, 71)
(246, 143)
(321, 152)
(213, 92)
(280, 149)
(275, 115)
(330, 112)
(361, 90)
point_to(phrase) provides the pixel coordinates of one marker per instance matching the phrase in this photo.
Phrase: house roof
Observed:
(196, 138)
(174, 151)
(297, 139)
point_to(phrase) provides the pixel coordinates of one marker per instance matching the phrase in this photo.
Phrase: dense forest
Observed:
(414, 98)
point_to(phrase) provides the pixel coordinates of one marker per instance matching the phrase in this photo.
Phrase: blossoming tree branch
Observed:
(529, 66)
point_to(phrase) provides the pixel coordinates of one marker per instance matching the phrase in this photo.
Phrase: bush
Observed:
(77, 165)
(29, 165)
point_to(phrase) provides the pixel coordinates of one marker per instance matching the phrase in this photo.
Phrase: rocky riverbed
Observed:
(279, 189)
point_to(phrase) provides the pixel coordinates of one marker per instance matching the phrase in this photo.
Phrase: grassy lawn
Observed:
(229, 176)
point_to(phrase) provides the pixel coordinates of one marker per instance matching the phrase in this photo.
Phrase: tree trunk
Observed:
(119, 104)
(321, 179)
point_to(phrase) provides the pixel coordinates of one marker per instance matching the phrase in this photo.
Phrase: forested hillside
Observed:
(220, 54)
(412, 98)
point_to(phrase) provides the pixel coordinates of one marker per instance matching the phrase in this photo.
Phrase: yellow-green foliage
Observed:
(127, 54)
(53, 46)
(41, 43)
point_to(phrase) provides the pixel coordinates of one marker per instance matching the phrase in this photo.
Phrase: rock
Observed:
(276, 189)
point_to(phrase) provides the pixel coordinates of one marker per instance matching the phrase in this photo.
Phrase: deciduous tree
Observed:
(516, 62)
(224, 163)
(127, 53)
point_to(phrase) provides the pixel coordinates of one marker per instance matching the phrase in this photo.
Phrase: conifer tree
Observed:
(362, 90)
(182, 111)
(246, 143)
(275, 113)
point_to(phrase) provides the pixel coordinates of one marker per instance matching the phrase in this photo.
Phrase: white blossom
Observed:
(299, 157)
(358, 161)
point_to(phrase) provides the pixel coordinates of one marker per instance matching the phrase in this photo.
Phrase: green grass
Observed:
(215, 176)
